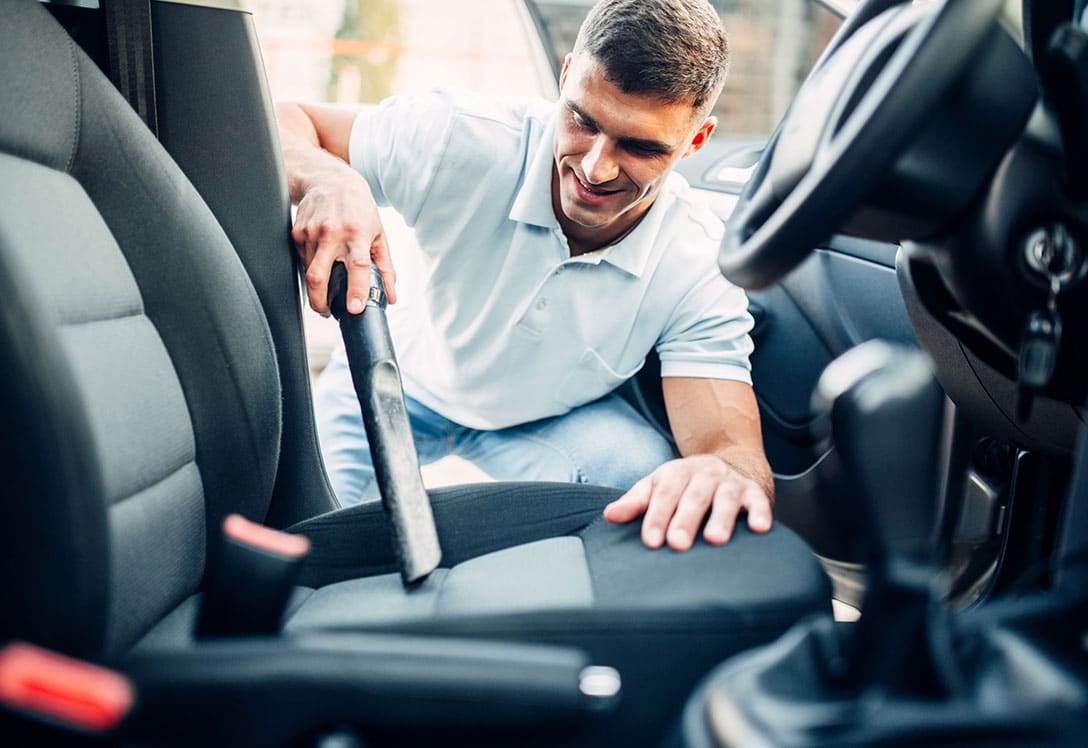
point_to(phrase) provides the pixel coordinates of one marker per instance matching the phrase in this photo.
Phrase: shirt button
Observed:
(541, 303)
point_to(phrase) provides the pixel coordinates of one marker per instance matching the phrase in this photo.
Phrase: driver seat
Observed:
(144, 398)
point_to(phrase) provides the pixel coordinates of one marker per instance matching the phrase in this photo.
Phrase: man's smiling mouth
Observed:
(590, 188)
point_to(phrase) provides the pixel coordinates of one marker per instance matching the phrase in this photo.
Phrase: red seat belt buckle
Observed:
(241, 530)
(39, 683)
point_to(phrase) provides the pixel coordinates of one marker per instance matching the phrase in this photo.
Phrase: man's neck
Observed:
(582, 242)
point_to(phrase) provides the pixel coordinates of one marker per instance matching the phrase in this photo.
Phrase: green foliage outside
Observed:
(367, 76)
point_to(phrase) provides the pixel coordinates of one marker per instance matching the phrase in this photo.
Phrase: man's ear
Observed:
(563, 72)
(701, 136)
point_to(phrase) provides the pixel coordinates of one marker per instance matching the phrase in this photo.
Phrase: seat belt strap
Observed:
(131, 55)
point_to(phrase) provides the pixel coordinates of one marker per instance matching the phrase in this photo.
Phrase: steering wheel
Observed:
(858, 110)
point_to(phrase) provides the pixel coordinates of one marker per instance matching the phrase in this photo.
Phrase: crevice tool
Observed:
(376, 376)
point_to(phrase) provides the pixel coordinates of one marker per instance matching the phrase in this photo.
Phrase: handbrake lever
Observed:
(376, 376)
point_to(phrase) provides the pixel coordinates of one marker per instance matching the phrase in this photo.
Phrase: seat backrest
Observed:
(139, 391)
(216, 121)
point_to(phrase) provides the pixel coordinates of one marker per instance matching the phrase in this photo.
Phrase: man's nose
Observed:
(598, 165)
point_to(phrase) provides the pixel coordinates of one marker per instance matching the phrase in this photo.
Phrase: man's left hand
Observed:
(677, 496)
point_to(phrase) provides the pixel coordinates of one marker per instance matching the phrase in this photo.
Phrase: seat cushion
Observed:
(538, 563)
(578, 588)
(602, 577)
(514, 550)
(545, 575)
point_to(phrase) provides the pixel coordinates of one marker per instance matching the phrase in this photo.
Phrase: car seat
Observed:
(145, 396)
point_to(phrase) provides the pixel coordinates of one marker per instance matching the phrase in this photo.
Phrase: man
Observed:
(559, 248)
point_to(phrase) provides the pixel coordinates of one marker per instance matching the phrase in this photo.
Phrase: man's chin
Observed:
(586, 217)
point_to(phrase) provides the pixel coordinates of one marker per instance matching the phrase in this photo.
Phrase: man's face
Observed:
(613, 151)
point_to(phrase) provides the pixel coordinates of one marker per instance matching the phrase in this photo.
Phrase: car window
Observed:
(354, 51)
(774, 44)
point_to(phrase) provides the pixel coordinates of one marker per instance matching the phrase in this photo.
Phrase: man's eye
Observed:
(579, 122)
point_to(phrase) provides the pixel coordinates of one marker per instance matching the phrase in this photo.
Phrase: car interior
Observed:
(178, 571)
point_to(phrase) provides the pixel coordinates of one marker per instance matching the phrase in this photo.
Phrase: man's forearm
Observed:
(308, 160)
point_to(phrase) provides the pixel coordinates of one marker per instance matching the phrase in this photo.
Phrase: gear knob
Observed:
(884, 408)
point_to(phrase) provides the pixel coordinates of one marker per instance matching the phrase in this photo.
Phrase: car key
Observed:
(1038, 358)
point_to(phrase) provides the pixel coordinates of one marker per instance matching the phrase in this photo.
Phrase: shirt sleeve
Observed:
(707, 336)
(398, 146)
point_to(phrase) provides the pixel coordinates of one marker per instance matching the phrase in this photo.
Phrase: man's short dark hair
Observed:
(674, 49)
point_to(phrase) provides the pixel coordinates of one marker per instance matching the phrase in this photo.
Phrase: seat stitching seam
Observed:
(103, 320)
(78, 81)
(160, 481)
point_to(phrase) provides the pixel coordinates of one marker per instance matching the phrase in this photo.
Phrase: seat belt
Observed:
(131, 55)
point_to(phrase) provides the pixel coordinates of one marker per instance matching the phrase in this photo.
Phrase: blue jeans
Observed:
(606, 442)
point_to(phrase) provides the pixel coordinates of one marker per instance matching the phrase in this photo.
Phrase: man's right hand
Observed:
(337, 218)
(338, 221)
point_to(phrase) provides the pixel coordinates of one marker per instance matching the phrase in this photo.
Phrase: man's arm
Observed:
(337, 217)
(723, 469)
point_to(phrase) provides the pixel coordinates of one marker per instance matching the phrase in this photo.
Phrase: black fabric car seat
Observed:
(140, 404)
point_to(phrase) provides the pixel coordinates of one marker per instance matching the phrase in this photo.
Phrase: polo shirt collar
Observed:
(533, 205)
(632, 253)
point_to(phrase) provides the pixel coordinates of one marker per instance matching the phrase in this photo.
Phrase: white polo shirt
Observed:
(508, 327)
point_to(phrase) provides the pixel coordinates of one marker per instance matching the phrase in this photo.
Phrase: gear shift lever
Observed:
(885, 409)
